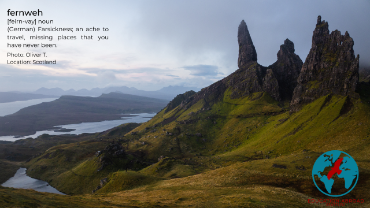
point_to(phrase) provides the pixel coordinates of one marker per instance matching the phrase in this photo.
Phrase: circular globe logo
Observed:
(336, 173)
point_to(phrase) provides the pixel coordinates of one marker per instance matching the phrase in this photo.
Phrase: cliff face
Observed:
(330, 67)
(287, 69)
(271, 85)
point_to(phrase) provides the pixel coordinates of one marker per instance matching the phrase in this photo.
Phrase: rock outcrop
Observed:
(178, 100)
(109, 154)
(287, 69)
(247, 80)
(330, 67)
(278, 80)
(271, 84)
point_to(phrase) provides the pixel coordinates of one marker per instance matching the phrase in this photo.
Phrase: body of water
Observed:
(23, 181)
(12, 107)
(89, 127)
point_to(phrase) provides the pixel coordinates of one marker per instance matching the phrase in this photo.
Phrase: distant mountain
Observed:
(76, 109)
(6, 97)
(176, 90)
(166, 93)
(52, 91)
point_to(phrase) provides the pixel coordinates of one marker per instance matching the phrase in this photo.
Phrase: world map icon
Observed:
(331, 167)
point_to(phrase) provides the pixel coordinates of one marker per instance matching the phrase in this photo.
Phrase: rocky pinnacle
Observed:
(247, 52)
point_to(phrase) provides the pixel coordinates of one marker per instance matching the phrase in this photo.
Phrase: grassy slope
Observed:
(14, 154)
(252, 129)
(72, 168)
(243, 129)
(28, 198)
(243, 184)
(252, 152)
(71, 164)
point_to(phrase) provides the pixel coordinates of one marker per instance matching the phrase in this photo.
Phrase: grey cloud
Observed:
(202, 70)
(107, 76)
(30, 80)
(198, 28)
(192, 32)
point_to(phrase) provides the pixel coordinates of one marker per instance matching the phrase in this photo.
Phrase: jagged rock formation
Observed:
(330, 67)
(287, 69)
(279, 79)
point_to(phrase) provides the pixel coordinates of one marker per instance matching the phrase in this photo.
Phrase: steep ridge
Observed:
(330, 67)
(178, 100)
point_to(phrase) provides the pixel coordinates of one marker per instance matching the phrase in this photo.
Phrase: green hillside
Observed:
(246, 156)
(251, 147)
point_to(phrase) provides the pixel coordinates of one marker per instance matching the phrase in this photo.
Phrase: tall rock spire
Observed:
(247, 52)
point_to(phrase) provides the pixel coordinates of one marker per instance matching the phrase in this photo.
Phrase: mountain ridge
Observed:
(166, 93)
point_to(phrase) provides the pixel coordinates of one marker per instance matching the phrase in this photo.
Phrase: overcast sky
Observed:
(153, 44)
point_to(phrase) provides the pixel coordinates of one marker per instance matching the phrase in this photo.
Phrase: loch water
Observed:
(23, 181)
(88, 127)
(12, 107)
